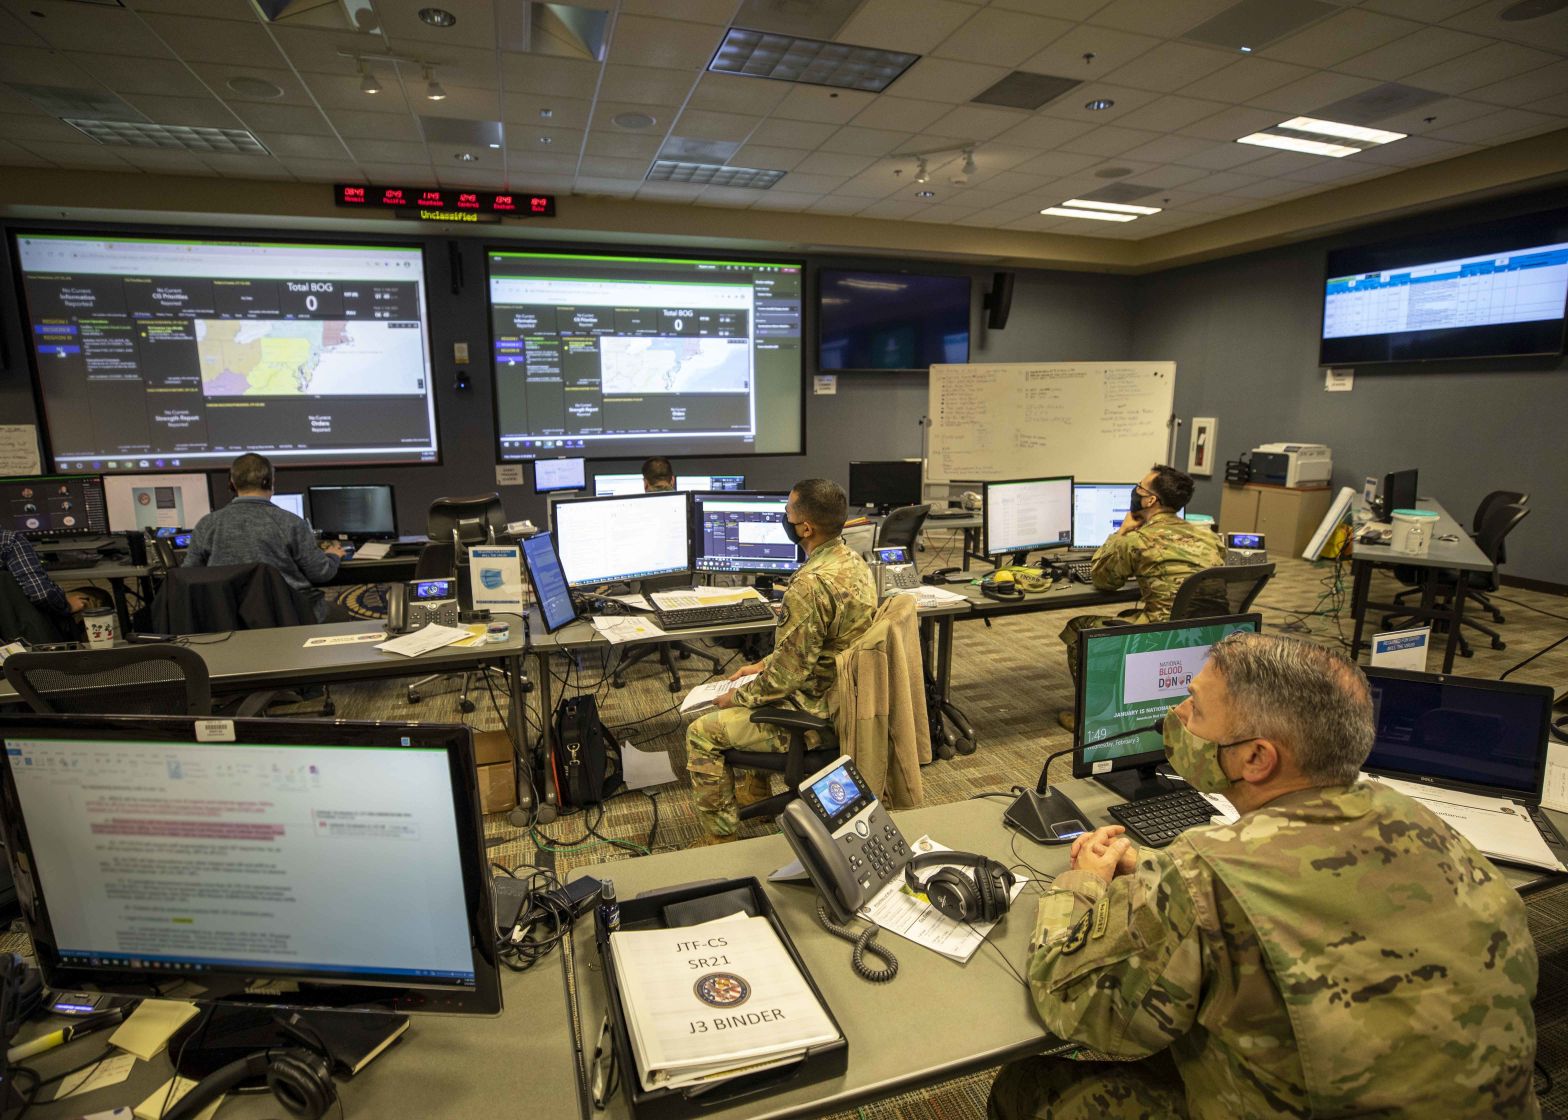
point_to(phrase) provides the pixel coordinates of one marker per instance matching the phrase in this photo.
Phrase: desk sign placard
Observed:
(445, 204)
(496, 575)
(1402, 649)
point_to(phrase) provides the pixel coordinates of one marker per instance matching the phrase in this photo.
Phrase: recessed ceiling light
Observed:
(1318, 137)
(713, 174)
(925, 194)
(546, 140)
(1097, 215)
(1114, 207)
(466, 157)
(255, 87)
(1098, 103)
(817, 62)
(191, 138)
(437, 17)
(633, 120)
(495, 145)
(546, 114)
(1298, 144)
(1245, 50)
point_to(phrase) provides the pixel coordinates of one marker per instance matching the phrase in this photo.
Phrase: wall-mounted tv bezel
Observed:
(821, 277)
(1524, 339)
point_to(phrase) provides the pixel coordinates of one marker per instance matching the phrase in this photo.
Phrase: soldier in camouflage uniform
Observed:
(1153, 546)
(829, 604)
(1337, 951)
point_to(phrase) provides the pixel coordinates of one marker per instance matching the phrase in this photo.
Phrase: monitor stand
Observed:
(226, 1032)
(1135, 784)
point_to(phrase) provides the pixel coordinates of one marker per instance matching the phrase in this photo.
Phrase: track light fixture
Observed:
(969, 161)
(921, 174)
(368, 82)
(433, 89)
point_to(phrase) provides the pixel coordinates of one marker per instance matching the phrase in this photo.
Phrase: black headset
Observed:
(300, 1079)
(981, 895)
(944, 575)
(1005, 590)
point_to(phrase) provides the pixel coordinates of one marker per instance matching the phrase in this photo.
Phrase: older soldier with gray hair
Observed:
(1337, 951)
(829, 604)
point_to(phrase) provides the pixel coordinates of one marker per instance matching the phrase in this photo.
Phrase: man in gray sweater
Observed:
(251, 530)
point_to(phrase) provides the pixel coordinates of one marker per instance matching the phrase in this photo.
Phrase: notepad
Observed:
(150, 1027)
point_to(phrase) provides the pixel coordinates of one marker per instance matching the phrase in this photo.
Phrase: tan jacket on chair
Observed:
(880, 701)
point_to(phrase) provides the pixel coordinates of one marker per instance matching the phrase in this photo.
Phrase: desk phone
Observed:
(894, 571)
(844, 838)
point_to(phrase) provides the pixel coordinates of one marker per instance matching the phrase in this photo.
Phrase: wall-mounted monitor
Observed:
(182, 352)
(627, 356)
(1483, 291)
(891, 320)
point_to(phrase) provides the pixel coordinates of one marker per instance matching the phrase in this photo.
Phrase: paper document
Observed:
(110, 1071)
(618, 628)
(147, 1031)
(373, 550)
(900, 910)
(1554, 793)
(931, 595)
(706, 695)
(1500, 828)
(162, 1099)
(689, 598)
(641, 769)
(425, 639)
(636, 601)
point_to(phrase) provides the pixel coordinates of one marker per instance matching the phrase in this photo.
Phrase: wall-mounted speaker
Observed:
(999, 300)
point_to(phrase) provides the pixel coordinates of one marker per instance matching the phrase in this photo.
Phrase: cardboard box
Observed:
(497, 768)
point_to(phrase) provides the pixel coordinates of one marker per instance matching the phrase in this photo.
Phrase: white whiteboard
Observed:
(1098, 421)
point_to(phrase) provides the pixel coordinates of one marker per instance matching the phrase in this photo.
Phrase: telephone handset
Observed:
(415, 605)
(397, 608)
(893, 570)
(844, 838)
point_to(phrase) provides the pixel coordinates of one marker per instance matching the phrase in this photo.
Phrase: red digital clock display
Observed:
(510, 205)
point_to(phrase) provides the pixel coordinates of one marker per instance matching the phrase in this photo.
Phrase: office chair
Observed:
(1500, 521)
(1414, 577)
(164, 680)
(662, 650)
(1216, 591)
(901, 528)
(20, 617)
(795, 763)
(452, 525)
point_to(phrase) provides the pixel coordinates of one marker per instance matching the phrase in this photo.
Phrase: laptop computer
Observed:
(1463, 733)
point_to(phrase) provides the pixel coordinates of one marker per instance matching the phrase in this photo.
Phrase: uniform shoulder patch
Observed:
(1078, 936)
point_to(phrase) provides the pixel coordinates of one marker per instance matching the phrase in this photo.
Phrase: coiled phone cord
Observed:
(864, 942)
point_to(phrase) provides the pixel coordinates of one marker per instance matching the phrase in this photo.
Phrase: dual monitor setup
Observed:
(564, 476)
(66, 507)
(1040, 514)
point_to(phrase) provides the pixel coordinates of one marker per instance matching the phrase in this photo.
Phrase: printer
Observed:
(1298, 465)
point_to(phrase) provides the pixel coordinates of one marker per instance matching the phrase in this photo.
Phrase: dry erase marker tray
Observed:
(691, 905)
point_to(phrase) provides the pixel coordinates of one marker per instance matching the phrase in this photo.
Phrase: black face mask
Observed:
(1137, 502)
(791, 532)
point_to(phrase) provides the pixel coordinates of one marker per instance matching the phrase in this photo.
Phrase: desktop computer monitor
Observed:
(551, 475)
(742, 532)
(616, 485)
(886, 484)
(1130, 676)
(1025, 515)
(156, 501)
(710, 482)
(149, 855)
(353, 511)
(613, 540)
(1099, 508)
(42, 507)
(549, 582)
(1489, 737)
(1399, 492)
(294, 503)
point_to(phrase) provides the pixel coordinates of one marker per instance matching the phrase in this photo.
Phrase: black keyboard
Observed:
(1156, 821)
(720, 614)
(1077, 570)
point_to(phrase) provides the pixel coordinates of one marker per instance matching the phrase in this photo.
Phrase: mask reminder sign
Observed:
(496, 575)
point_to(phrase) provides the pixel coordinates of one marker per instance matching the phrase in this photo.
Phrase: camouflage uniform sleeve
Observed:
(1115, 561)
(797, 643)
(1118, 968)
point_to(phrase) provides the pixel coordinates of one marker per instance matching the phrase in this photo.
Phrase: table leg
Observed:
(1361, 583)
(971, 544)
(547, 795)
(517, 679)
(1456, 620)
(121, 606)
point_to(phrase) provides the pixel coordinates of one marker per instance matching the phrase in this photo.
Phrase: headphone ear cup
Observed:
(953, 894)
(301, 1080)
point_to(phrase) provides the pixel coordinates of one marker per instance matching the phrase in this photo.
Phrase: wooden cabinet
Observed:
(1286, 517)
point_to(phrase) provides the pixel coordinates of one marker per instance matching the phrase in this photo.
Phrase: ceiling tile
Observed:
(245, 167)
(127, 74)
(776, 199)
(206, 111)
(1111, 49)
(679, 192)
(731, 93)
(93, 156)
(676, 44)
(819, 103)
(912, 26)
(810, 184)
(605, 112)
(700, 11)
(875, 182)
(1429, 11)
(1233, 123)
(108, 29)
(216, 40)
(370, 126)
(385, 174)
(1483, 67)
(212, 9)
(1075, 105)
(902, 113)
(39, 66)
(1527, 91)
(705, 124)
(1310, 93)
(554, 141)
(792, 134)
(1168, 149)
(1001, 38)
(387, 151)
(1450, 110)
(1498, 127)
(1342, 35)
(160, 162)
(1223, 157)
(869, 141)
(1043, 132)
(1157, 17)
(462, 102)
(1169, 113)
(1423, 48)
(976, 122)
(1170, 175)
(728, 196)
(834, 163)
(528, 166)
(1245, 79)
(946, 80)
(612, 167)
(1056, 164)
(565, 112)
(1171, 66)
(28, 128)
(760, 155)
(341, 91)
(286, 145)
(1219, 183)
(1483, 19)
(1414, 151)
(1281, 163)
(1109, 141)
(475, 26)
(833, 205)
(559, 77)
(645, 83)
(892, 208)
(625, 145)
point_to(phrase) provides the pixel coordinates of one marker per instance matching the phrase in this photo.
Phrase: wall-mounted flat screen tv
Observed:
(890, 320)
(1493, 290)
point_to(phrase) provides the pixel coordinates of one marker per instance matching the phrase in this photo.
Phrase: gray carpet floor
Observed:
(1010, 678)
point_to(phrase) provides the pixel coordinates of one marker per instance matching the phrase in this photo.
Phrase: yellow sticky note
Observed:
(147, 1031)
(170, 1091)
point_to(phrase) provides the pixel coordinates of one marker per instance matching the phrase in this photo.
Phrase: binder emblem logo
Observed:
(722, 989)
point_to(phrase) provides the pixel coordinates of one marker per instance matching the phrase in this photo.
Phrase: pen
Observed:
(603, 1065)
(64, 1034)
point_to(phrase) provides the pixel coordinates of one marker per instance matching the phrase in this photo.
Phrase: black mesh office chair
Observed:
(164, 680)
(795, 763)
(1500, 521)
(1414, 576)
(1216, 591)
(901, 529)
(453, 525)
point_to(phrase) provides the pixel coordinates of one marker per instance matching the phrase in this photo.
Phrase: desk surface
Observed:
(1062, 596)
(103, 569)
(1461, 552)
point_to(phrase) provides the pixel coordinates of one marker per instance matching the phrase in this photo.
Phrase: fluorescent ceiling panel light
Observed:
(1298, 144)
(1114, 207)
(1097, 215)
(190, 138)
(1346, 131)
(712, 174)
(791, 58)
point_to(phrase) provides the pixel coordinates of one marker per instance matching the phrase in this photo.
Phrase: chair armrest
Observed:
(793, 718)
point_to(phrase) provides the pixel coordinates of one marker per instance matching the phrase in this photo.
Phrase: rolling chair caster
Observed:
(466, 706)
(965, 746)
(329, 709)
(412, 697)
(618, 680)
(675, 683)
